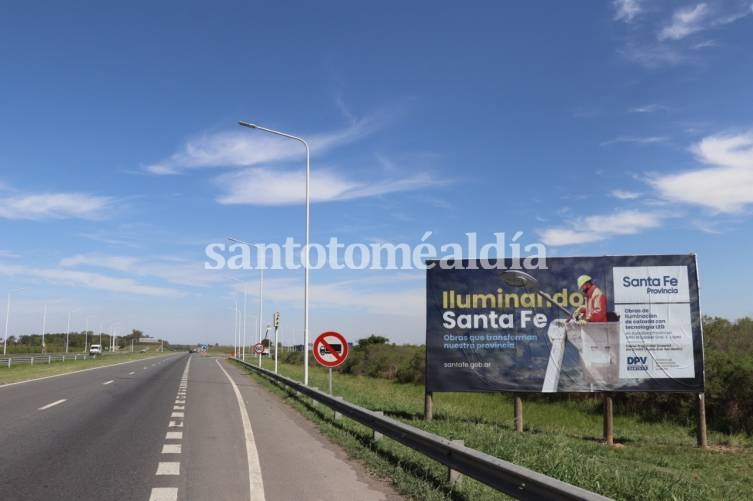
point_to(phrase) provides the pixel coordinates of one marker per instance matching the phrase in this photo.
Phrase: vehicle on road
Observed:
(95, 349)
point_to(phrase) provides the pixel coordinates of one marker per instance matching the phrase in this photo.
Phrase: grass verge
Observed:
(25, 372)
(562, 440)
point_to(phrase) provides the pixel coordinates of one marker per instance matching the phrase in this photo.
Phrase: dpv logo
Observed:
(637, 363)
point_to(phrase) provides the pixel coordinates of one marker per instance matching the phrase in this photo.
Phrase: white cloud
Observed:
(647, 108)
(636, 140)
(689, 20)
(174, 270)
(600, 227)
(88, 280)
(685, 21)
(626, 10)
(371, 294)
(653, 56)
(725, 186)
(262, 186)
(55, 206)
(625, 195)
(243, 147)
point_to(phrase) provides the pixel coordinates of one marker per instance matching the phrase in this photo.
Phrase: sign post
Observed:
(277, 332)
(330, 350)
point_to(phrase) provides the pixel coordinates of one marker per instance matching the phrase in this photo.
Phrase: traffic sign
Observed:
(258, 348)
(330, 349)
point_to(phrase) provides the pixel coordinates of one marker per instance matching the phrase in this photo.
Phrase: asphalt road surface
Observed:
(178, 427)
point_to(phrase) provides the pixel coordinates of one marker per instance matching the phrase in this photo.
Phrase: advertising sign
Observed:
(582, 324)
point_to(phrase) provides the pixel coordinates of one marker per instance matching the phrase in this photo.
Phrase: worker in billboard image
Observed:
(595, 309)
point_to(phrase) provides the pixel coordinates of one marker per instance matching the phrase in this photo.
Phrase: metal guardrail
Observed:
(513, 480)
(47, 358)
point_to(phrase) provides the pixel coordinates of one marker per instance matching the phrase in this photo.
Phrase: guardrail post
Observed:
(428, 406)
(32, 360)
(338, 416)
(314, 403)
(700, 430)
(608, 419)
(9, 361)
(454, 477)
(375, 435)
(517, 418)
(49, 359)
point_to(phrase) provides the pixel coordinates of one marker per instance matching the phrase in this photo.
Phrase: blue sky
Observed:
(593, 127)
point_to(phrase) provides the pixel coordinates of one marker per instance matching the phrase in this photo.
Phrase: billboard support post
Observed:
(608, 419)
(428, 406)
(701, 420)
(518, 414)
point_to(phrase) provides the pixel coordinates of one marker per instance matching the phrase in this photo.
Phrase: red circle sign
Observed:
(330, 349)
(258, 348)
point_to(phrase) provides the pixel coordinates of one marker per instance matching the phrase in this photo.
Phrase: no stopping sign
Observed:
(330, 349)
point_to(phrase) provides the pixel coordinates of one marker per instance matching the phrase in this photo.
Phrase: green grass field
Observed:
(562, 440)
(23, 372)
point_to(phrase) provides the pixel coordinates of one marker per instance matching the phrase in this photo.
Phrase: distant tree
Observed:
(373, 339)
(136, 335)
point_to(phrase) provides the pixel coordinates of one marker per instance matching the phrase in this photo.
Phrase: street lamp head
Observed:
(246, 124)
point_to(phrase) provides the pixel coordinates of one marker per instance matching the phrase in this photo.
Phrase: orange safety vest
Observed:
(596, 305)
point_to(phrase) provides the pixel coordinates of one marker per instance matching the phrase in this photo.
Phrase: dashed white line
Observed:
(179, 407)
(168, 468)
(131, 373)
(171, 449)
(164, 494)
(53, 404)
(175, 424)
(176, 414)
(174, 435)
(108, 382)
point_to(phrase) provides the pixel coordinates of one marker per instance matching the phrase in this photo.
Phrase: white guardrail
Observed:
(8, 361)
(513, 480)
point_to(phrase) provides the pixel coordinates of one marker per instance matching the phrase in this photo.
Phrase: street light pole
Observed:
(261, 288)
(7, 318)
(68, 329)
(306, 253)
(86, 334)
(44, 327)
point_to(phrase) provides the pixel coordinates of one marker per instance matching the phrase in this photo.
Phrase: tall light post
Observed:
(44, 327)
(245, 302)
(7, 318)
(86, 334)
(306, 253)
(68, 329)
(261, 287)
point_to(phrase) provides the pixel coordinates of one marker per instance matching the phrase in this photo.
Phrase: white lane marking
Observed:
(255, 483)
(176, 414)
(144, 368)
(174, 435)
(164, 494)
(131, 373)
(175, 424)
(69, 373)
(53, 404)
(168, 468)
(179, 407)
(108, 382)
(179, 401)
(171, 449)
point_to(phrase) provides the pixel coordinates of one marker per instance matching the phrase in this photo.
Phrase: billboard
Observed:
(583, 324)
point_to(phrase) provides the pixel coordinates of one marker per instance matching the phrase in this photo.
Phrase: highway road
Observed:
(178, 427)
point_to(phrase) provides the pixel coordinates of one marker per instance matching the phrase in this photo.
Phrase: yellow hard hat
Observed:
(583, 279)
